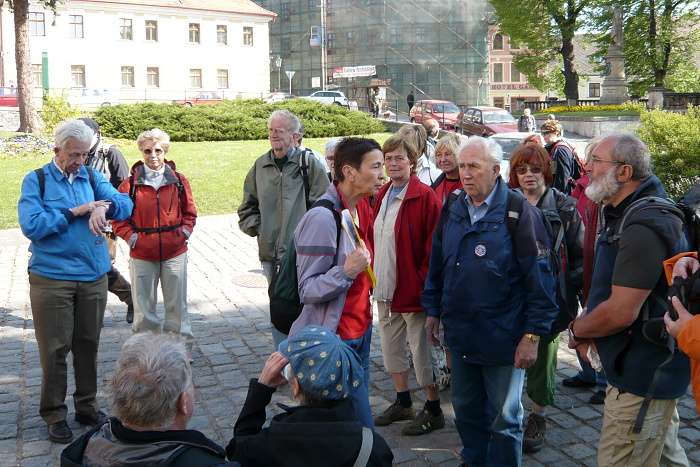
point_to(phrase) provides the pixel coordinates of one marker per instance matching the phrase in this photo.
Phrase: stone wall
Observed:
(593, 126)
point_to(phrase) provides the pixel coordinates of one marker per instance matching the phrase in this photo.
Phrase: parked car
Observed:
(8, 97)
(444, 112)
(329, 97)
(508, 142)
(279, 97)
(204, 97)
(91, 97)
(485, 121)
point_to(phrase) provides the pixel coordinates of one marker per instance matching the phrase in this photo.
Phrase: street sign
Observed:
(290, 75)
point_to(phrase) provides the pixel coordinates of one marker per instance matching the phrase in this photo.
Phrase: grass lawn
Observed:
(216, 171)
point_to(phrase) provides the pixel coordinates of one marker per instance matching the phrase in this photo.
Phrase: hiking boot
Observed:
(424, 423)
(130, 313)
(60, 432)
(394, 413)
(536, 427)
(445, 378)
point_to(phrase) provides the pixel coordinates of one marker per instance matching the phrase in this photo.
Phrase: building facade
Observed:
(146, 50)
(436, 48)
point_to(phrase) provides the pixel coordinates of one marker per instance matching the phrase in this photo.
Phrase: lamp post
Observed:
(278, 62)
(479, 82)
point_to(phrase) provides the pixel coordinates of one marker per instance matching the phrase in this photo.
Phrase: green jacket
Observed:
(274, 202)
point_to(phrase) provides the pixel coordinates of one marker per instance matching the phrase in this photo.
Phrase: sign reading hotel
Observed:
(512, 87)
(354, 71)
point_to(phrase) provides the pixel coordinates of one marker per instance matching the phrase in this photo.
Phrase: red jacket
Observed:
(415, 223)
(172, 205)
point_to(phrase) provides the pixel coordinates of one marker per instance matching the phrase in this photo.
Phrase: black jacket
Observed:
(327, 436)
(112, 444)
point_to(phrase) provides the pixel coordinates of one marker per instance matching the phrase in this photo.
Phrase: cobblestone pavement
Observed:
(228, 307)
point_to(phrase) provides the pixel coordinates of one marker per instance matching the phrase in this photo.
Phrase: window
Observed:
(330, 40)
(128, 76)
(37, 75)
(498, 72)
(78, 75)
(222, 78)
(125, 31)
(195, 78)
(395, 36)
(152, 77)
(351, 37)
(36, 24)
(499, 102)
(593, 89)
(371, 36)
(247, 35)
(76, 25)
(421, 34)
(194, 33)
(221, 34)
(514, 73)
(152, 30)
(497, 42)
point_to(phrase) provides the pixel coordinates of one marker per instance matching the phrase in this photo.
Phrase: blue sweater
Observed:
(62, 245)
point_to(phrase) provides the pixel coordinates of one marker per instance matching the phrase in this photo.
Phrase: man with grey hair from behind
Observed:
(152, 395)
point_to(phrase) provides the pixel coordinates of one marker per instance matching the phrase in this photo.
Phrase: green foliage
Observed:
(230, 120)
(56, 110)
(674, 141)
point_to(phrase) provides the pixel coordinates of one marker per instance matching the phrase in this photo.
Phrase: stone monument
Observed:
(614, 87)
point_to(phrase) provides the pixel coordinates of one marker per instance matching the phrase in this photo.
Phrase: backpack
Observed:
(285, 304)
(304, 167)
(42, 178)
(577, 169)
(98, 160)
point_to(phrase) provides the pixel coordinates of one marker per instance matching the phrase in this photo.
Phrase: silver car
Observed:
(329, 97)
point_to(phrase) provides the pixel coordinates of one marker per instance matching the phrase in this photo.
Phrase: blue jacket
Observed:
(628, 358)
(488, 288)
(62, 245)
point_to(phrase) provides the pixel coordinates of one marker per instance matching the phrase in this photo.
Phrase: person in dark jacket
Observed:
(152, 395)
(495, 294)
(324, 430)
(157, 232)
(561, 154)
(410, 99)
(531, 175)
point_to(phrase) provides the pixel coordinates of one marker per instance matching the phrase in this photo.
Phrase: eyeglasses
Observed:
(545, 133)
(595, 159)
(329, 158)
(149, 151)
(523, 170)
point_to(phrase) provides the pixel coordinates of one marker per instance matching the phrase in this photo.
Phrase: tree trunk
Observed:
(25, 85)
(570, 74)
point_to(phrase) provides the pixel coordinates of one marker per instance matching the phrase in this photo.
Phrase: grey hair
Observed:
(157, 136)
(72, 129)
(431, 125)
(306, 397)
(294, 123)
(488, 147)
(330, 146)
(590, 147)
(631, 150)
(152, 372)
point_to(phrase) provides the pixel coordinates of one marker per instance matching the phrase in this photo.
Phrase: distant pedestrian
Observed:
(410, 100)
(526, 122)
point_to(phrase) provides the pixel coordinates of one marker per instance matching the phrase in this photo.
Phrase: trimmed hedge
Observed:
(231, 120)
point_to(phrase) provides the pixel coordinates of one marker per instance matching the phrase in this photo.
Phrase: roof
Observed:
(222, 6)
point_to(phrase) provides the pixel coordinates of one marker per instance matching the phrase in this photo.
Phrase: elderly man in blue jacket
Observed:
(495, 294)
(62, 209)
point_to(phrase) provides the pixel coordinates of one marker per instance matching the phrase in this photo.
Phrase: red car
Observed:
(8, 97)
(205, 97)
(485, 121)
(444, 112)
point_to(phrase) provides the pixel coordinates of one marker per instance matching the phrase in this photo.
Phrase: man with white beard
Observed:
(645, 378)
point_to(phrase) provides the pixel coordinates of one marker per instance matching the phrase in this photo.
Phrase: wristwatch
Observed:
(533, 337)
(572, 336)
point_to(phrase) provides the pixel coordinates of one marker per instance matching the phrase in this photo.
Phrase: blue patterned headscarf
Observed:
(322, 363)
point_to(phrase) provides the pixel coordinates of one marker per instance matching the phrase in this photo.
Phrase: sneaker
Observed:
(424, 423)
(598, 398)
(60, 432)
(445, 377)
(130, 313)
(394, 413)
(534, 433)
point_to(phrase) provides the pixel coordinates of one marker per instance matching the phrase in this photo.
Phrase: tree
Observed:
(546, 28)
(25, 95)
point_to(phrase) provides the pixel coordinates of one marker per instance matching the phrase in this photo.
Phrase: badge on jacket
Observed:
(480, 250)
(542, 251)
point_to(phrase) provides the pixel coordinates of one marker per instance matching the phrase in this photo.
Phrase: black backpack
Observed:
(285, 304)
(577, 169)
(42, 178)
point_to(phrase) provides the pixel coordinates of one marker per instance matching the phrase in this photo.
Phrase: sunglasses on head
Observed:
(523, 170)
(149, 151)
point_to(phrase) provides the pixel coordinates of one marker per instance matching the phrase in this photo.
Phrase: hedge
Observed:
(231, 120)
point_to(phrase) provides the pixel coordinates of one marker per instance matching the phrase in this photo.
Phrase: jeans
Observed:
(361, 396)
(589, 375)
(488, 412)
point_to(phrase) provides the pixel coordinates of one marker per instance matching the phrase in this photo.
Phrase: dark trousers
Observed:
(67, 318)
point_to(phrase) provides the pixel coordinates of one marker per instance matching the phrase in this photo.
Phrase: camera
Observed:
(687, 291)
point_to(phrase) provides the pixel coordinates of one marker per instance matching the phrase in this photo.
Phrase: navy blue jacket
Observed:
(628, 358)
(488, 288)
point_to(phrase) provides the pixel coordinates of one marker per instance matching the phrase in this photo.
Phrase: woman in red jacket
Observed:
(406, 212)
(162, 220)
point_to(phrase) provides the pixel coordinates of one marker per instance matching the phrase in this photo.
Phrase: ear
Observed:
(624, 173)
(56, 151)
(348, 171)
(182, 405)
(496, 171)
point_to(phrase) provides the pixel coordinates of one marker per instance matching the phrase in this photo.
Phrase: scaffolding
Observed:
(436, 48)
